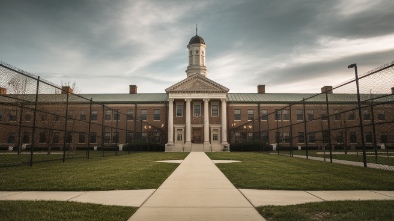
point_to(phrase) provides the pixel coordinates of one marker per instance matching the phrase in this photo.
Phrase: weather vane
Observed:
(196, 29)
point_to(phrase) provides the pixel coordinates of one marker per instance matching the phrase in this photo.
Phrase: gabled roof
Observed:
(197, 83)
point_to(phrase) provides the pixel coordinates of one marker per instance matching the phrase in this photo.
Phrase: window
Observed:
(250, 114)
(368, 137)
(81, 138)
(94, 115)
(129, 137)
(300, 114)
(115, 137)
(70, 115)
(301, 137)
(82, 116)
(337, 116)
(214, 110)
(286, 115)
(93, 137)
(179, 135)
(156, 114)
(237, 136)
(107, 115)
(264, 114)
(157, 137)
(56, 137)
(12, 116)
(196, 110)
(107, 137)
(11, 137)
(26, 137)
(339, 137)
(215, 135)
(312, 138)
(326, 136)
(42, 137)
(277, 137)
(351, 116)
(56, 117)
(264, 137)
(179, 110)
(143, 114)
(27, 117)
(323, 115)
(130, 114)
(237, 114)
(278, 114)
(116, 115)
(366, 115)
(353, 137)
(286, 137)
(69, 137)
(383, 138)
(310, 115)
(250, 137)
(381, 116)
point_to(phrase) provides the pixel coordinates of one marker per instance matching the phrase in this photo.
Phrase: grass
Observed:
(134, 171)
(331, 211)
(265, 171)
(52, 210)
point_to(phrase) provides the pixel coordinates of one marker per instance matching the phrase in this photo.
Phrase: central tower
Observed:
(196, 52)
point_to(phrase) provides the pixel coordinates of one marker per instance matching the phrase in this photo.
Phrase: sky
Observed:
(293, 46)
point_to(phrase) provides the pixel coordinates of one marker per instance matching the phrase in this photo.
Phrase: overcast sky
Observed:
(104, 46)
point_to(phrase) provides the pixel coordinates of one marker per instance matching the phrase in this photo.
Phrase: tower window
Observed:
(196, 51)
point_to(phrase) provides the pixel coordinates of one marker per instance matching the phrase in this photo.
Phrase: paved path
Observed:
(197, 190)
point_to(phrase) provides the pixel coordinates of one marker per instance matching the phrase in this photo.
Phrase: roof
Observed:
(196, 40)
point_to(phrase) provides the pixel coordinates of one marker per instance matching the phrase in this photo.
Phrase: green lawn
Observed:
(265, 171)
(331, 211)
(52, 210)
(134, 171)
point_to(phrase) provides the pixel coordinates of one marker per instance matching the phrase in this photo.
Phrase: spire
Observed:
(196, 29)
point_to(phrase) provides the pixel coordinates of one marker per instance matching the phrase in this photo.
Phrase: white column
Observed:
(224, 122)
(171, 121)
(206, 122)
(188, 122)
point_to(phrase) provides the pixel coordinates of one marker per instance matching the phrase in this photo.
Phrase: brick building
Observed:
(195, 114)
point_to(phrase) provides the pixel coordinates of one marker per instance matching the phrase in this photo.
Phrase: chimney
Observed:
(261, 89)
(133, 89)
(327, 88)
(3, 90)
(66, 89)
(392, 90)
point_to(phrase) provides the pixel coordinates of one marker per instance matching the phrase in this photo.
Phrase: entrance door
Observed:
(197, 135)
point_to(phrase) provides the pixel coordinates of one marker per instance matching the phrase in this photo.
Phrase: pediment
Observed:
(197, 84)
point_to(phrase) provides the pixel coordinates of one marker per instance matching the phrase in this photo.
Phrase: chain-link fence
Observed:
(41, 121)
(349, 123)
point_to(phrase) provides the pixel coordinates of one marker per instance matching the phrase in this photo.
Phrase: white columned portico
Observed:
(206, 124)
(224, 123)
(170, 122)
(188, 142)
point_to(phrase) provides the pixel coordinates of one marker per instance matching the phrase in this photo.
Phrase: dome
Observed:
(196, 40)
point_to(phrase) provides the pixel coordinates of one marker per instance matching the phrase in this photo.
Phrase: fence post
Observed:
(360, 114)
(374, 133)
(126, 142)
(305, 132)
(65, 129)
(329, 127)
(291, 132)
(116, 131)
(277, 136)
(90, 125)
(20, 129)
(34, 122)
(102, 132)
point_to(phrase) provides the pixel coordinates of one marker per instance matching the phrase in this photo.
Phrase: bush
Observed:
(250, 147)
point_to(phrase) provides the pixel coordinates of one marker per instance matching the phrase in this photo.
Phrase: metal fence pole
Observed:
(277, 136)
(360, 114)
(116, 131)
(102, 132)
(291, 132)
(329, 127)
(20, 130)
(90, 125)
(65, 129)
(34, 122)
(374, 133)
(305, 132)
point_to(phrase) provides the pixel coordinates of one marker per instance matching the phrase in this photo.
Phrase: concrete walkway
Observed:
(197, 190)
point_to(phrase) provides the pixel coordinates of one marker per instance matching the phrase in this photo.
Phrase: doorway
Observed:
(197, 135)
